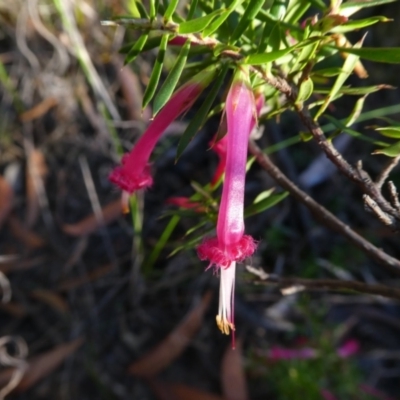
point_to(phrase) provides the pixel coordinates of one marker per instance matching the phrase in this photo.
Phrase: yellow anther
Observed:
(224, 325)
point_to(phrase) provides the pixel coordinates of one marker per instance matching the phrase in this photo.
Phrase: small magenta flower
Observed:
(134, 173)
(231, 245)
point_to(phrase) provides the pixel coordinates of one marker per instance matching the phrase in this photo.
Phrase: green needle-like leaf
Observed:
(348, 68)
(156, 73)
(390, 151)
(390, 131)
(221, 19)
(198, 24)
(172, 79)
(136, 49)
(201, 116)
(264, 204)
(192, 9)
(251, 11)
(390, 55)
(171, 9)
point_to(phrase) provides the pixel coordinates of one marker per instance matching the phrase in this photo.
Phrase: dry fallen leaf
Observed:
(173, 345)
(36, 168)
(6, 199)
(178, 391)
(184, 392)
(29, 238)
(132, 92)
(90, 224)
(54, 300)
(14, 309)
(39, 110)
(234, 385)
(41, 366)
(73, 283)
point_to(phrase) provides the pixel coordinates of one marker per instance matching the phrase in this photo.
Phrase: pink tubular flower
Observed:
(134, 173)
(231, 245)
(220, 146)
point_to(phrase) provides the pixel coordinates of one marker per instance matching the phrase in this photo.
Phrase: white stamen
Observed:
(226, 298)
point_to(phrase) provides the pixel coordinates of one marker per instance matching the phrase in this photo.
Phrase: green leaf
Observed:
(351, 7)
(340, 125)
(390, 55)
(142, 10)
(150, 44)
(136, 49)
(262, 58)
(278, 8)
(198, 24)
(327, 72)
(192, 9)
(156, 73)
(390, 151)
(162, 241)
(348, 68)
(171, 9)
(305, 90)
(153, 10)
(296, 11)
(221, 19)
(172, 79)
(358, 91)
(265, 204)
(201, 116)
(251, 11)
(390, 131)
(358, 24)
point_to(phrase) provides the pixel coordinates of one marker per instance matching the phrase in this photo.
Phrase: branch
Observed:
(357, 175)
(318, 284)
(325, 216)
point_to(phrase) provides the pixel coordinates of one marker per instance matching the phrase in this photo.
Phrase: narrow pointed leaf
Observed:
(170, 9)
(150, 44)
(251, 11)
(351, 7)
(358, 24)
(265, 204)
(278, 8)
(305, 90)
(199, 119)
(192, 9)
(389, 55)
(136, 49)
(348, 68)
(296, 11)
(221, 19)
(153, 10)
(198, 24)
(258, 59)
(390, 131)
(172, 79)
(390, 151)
(156, 73)
(142, 11)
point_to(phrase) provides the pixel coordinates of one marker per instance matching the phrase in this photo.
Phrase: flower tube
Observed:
(134, 173)
(231, 245)
(220, 146)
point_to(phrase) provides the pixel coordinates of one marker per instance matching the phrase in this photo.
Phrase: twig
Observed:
(386, 171)
(318, 284)
(322, 213)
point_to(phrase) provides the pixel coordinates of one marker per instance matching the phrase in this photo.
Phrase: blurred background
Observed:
(94, 304)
